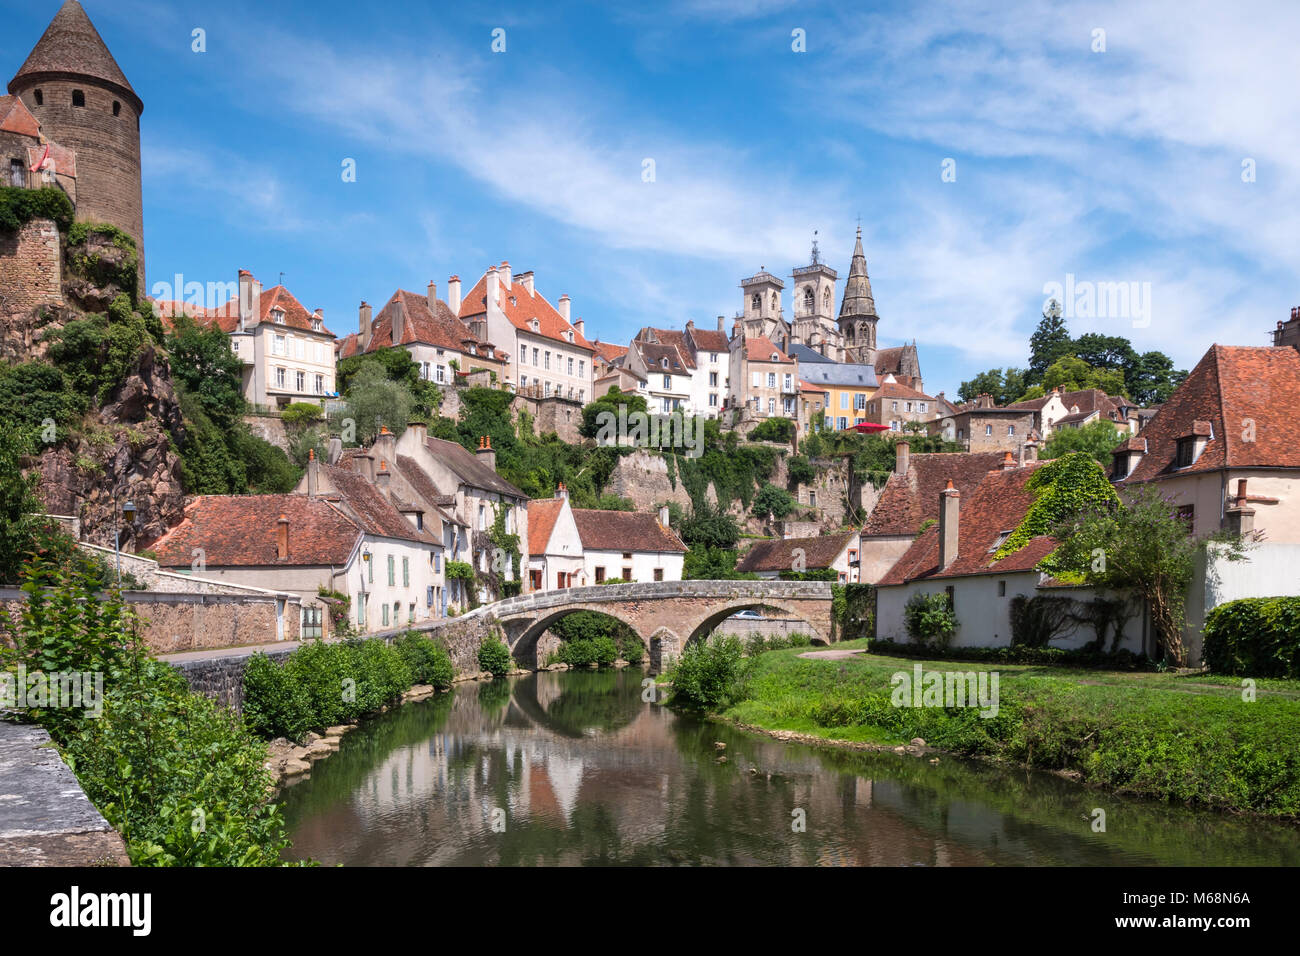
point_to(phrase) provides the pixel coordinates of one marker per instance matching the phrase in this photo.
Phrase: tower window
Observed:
(40, 98)
(117, 107)
(78, 98)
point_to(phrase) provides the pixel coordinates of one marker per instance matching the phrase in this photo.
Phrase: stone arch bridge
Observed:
(666, 615)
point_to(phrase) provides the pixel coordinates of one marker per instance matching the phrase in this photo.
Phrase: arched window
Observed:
(808, 299)
(776, 302)
(78, 98)
(756, 303)
(826, 300)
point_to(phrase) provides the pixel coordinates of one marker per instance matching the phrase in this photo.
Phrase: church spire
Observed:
(858, 300)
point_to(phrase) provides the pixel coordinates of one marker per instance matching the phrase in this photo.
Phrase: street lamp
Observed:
(128, 515)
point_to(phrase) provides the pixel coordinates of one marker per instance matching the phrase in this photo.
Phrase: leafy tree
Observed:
(800, 471)
(780, 430)
(1070, 373)
(1151, 379)
(374, 400)
(1096, 439)
(1060, 488)
(703, 563)
(608, 403)
(19, 507)
(34, 391)
(773, 502)
(206, 368)
(1141, 546)
(1004, 385)
(97, 352)
(709, 527)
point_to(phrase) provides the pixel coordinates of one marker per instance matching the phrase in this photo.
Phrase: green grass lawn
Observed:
(1184, 738)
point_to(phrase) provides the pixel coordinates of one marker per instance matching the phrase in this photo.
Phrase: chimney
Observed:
(503, 271)
(581, 326)
(313, 473)
(383, 476)
(364, 465)
(527, 280)
(902, 458)
(433, 297)
(690, 325)
(363, 325)
(564, 307)
(399, 319)
(453, 294)
(663, 515)
(1008, 462)
(385, 444)
(250, 300)
(949, 505)
(282, 538)
(493, 288)
(335, 449)
(485, 452)
(561, 491)
(419, 431)
(722, 324)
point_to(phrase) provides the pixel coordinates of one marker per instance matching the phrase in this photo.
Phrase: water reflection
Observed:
(578, 770)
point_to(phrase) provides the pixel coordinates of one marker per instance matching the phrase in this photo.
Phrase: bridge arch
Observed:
(523, 635)
(711, 622)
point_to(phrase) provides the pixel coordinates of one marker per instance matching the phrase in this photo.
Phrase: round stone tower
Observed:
(78, 93)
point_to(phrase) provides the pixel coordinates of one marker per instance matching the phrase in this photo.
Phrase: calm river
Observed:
(574, 768)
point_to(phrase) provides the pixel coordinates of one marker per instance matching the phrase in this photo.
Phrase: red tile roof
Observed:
(439, 328)
(368, 506)
(908, 500)
(997, 505)
(760, 349)
(623, 531)
(896, 390)
(818, 553)
(1236, 391)
(241, 531)
(226, 316)
(608, 351)
(542, 515)
(709, 340)
(15, 117)
(521, 308)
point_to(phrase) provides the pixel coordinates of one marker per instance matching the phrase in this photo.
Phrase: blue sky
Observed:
(1122, 165)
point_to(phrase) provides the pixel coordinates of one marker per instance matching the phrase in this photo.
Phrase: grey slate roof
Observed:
(842, 375)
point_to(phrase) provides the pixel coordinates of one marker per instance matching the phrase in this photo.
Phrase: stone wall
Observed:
(268, 428)
(193, 622)
(743, 628)
(560, 415)
(222, 677)
(642, 478)
(31, 268)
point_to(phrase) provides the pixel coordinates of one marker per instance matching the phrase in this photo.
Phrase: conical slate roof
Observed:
(71, 46)
(857, 291)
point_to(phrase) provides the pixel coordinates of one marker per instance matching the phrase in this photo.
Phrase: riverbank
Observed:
(1193, 739)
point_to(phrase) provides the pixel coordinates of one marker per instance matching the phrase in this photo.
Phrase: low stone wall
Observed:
(222, 677)
(269, 428)
(191, 622)
(767, 627)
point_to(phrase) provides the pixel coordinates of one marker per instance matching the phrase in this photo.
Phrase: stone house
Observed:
(668, 372)
(438, 342)
(839, 552)
(1075, 409)
(543, 351)
(980, 426)
(956, 557)
(764, 381)
(633, 545)
(471, 492)
(555, 548)
(909, 501)
(704, 357)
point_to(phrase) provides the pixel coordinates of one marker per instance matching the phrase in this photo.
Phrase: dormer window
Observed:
(536, 325)
(1192, 444)
(663, 363)
(277, 316)
(775, 357)
(316, 325)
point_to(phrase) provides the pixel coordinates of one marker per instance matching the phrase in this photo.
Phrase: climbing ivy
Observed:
(1060, 488)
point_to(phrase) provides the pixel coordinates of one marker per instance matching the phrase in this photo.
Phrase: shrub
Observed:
(275, 704)
(301, 413)
(381, 673)
(929, 618)
(1256, 637)
(327, 676)
(583, 652)
(494, 657)
(709, 675)
(19, 206)
(631, 650)
(428, 661)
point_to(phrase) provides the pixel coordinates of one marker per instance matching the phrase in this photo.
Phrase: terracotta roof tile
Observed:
(996, 506)
(467, 467)
(368, 506)
(439, 328)
(623, 531)
(241, 531)
(521, 308)
(908, 500)
(1229, 386)
(819, 553)
(542, 515)
(760, 349)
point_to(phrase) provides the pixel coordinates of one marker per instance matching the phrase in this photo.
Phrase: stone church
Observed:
(848, 338)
